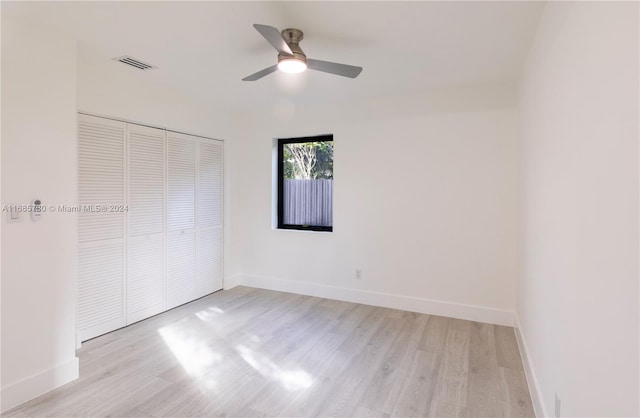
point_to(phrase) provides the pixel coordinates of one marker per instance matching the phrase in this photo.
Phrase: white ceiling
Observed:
(204, 49)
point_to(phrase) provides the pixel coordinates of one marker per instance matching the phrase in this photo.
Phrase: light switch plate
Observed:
(13, 216)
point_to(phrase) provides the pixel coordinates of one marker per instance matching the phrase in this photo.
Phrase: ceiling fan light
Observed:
(292, 65)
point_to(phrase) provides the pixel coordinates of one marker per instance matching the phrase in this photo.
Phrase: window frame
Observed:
(280, 184)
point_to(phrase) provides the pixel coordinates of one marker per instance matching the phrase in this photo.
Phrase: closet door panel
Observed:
(100, 288)
(210, 215)
(209, 261)
(101, 178)
(146, 180)
(101, 258)
(181, 219)
(146, 222)
(181, 268)
(210, 184)
(181, 182)
(145, 277)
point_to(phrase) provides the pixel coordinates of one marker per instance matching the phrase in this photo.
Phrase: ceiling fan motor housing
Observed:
(293, 37)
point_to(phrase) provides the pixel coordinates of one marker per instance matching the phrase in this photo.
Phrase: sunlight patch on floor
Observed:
(291, 380)
(209, 313)
(192, 353)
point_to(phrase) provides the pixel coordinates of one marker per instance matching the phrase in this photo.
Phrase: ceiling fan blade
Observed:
(334, 68)
(273, 36)
(261, 73)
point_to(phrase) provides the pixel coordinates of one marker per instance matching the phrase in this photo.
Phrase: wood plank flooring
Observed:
(248, 352)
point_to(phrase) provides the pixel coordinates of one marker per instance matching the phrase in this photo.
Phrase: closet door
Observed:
(210, 216)
(181, 219)
(146, 221)
(101, 190)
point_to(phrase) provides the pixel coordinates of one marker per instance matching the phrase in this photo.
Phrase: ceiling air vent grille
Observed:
(135, 63)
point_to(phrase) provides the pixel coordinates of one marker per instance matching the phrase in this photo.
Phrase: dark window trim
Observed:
(280, 153)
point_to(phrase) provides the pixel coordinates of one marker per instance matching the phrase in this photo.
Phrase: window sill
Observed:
(309, 229)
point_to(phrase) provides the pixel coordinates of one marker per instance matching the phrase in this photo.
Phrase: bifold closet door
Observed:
(210, 216)
(101, 190)
(146, 222)
(150, 225)
(181, 219)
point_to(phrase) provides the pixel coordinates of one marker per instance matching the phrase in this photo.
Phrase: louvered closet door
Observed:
(101, 145)
(181, 219)
(145, 228)
(210, 216)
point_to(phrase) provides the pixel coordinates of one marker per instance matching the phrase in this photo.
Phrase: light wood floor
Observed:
(250, 352)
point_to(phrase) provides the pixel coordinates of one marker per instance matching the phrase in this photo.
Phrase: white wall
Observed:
(424, 203)
(110, 88)
(38, 259)
(578, 290)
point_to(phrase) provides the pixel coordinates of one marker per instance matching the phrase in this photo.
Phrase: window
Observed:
(305, 183)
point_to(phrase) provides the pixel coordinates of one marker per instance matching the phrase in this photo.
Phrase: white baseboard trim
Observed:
(387, 300)
(231, 282)
(532, 381)
(38, 384)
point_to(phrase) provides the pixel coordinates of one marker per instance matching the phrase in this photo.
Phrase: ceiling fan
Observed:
(291, 58)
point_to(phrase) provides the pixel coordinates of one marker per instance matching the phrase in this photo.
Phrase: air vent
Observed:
(134, 63)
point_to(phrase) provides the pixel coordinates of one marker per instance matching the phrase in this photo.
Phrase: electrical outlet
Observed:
(358, 274)
(557, 406)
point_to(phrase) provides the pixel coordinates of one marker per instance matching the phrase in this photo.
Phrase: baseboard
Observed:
(532, 381)
(407, 303)
(231, 282)
(38, 384)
